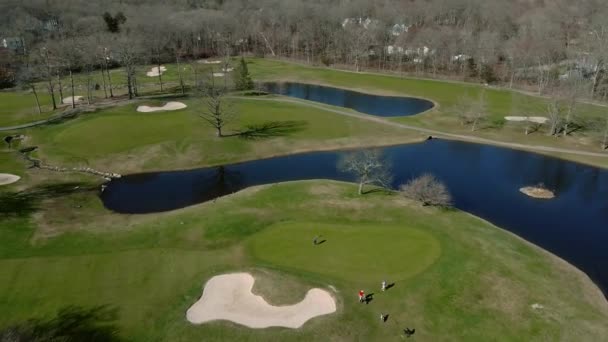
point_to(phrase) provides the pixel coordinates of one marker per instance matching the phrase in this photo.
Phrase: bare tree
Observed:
(605, 135)
(216, 110)
(472, 111)
(369, 166)
(554, 114)
(49, 75)
(571, 91)
(26, 78)
(71, 55)
(427, 190)
(128, 55)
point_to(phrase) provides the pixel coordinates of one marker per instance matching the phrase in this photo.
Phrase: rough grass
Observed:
(20, 107)
(481, 286)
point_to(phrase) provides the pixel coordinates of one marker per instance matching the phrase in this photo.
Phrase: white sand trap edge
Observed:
(218, 74)
(168, 106)
(205, 61)
(227, 69)
(229, 297)
(71, 99)
(155, 71)
(535, 119)
(7, 178)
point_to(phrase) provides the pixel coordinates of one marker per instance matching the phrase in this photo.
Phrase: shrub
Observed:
(427, 190)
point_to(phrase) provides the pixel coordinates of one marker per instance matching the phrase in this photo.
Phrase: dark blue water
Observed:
(364, 103)
(484, 180)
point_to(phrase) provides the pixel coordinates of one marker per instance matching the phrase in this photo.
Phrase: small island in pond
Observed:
(538, 192)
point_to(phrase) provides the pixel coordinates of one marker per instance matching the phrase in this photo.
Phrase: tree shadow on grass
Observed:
(271, 129)
(71, 323)
(24, 203)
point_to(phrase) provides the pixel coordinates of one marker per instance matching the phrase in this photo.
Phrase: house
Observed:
(398, 29)
(394, 49)
(420, 51)
(460, 58)
(365, 22)
(13, 44)
(50, 24)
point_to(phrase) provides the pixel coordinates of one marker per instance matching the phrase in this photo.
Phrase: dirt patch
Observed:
(229, 297)
(504, 295)
(325, 190)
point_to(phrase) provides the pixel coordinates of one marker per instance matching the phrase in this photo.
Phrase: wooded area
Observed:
(547, 46)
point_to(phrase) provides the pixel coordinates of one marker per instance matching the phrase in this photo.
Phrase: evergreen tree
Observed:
(243, 80)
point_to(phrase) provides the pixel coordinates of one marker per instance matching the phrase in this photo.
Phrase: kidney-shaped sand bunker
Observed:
(229, 297)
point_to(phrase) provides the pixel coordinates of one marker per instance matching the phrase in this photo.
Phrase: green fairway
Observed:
(125, 140)
(456, 277)
(358, 253)
(452, 271)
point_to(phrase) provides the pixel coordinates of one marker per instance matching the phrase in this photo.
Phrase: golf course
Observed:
(307, 239)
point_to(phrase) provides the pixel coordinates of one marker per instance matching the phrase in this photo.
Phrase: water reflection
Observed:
(365, 103)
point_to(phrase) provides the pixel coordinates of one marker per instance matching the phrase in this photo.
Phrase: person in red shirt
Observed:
(361, 296)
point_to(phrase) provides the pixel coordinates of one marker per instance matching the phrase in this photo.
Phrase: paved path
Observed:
(463, 137)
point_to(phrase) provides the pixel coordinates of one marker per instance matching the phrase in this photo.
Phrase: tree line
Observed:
(531, 44)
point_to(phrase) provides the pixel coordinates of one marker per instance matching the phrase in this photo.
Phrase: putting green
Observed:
(364, 252)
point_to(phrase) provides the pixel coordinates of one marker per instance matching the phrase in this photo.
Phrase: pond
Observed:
(365, 103)
(484, 180)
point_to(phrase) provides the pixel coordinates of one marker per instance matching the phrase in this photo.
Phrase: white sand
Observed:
(206, 61)
(229, 297)
(218, 74)
(535, 119)
(154, 72)
(69, 99)
(7, 178)
(167, 106)
(227, 69)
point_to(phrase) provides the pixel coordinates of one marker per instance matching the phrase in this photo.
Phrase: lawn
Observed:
(357, 253)
(456, 277)
(20, 107)
(124, 140)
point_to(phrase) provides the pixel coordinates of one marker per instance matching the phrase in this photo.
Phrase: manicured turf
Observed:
(125, 140)
(456, 277)
(152, 268)
(350, 252)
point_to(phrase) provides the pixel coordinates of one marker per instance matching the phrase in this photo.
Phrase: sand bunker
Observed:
(218, 74)
(535, 119)
(537, 192)
(154, 72)
(227, 69)
(167, 106)
(7, 178)
(229, 297)
(205, 61)
(71, 99)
